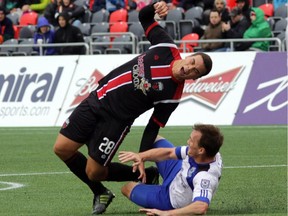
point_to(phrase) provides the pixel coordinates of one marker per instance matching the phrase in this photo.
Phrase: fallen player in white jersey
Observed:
(190, 174)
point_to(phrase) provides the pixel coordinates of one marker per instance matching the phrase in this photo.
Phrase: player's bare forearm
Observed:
(196, 208)
(154, 155)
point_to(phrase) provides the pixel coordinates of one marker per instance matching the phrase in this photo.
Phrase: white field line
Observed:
(60, 173)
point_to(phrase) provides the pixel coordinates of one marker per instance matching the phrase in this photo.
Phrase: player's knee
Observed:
(125, 191)
(96, 173)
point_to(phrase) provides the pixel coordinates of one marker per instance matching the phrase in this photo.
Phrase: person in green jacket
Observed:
(38, 6)
(259, 28)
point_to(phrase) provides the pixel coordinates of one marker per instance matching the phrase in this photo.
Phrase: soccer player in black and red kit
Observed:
(154, 79)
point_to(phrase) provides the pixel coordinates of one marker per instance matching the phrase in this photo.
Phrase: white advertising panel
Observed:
(32, 89)
(213, 99)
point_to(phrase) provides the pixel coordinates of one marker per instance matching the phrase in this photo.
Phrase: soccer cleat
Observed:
(102, 201)
(152, 175)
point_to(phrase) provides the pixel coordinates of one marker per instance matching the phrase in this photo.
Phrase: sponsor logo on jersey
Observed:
(138, 74)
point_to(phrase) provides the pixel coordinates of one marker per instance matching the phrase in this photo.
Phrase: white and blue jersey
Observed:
(184, 181)
(194, 182)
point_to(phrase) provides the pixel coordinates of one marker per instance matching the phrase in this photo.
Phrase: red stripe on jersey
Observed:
(157, 122)
(175, 53)
(114, 83)
(150, 27)
(179, 91)
(158, 72)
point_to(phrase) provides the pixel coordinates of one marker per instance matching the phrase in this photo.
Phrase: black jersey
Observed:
(145, 82)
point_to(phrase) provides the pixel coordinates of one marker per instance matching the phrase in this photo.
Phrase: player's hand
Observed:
(138, 164)
(161, 9)
(153, 212)
(126, 156)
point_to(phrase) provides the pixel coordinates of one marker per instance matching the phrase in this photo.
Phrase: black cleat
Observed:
(102, 201)
(152, 175)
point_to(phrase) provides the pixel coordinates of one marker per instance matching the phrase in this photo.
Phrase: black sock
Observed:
(121, 172)
(77, 165)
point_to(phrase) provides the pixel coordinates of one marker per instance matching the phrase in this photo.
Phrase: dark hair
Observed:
(215, 10)
(211, 139)
(207, 62)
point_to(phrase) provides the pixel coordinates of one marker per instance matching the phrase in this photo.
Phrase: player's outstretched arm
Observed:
(196, 208)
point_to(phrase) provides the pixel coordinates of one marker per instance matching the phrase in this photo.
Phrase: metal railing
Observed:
(96, 39)
(42, 46)
(136, 46)
(231, 42)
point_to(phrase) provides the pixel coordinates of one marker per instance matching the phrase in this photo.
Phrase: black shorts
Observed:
(101, 132)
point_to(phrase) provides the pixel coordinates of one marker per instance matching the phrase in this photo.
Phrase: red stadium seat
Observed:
(189, 46)
(16, 32)
(29, 18)
(268, 9)
(118, 16)
(119, 27)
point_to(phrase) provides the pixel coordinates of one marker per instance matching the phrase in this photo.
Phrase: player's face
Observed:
(193, 67)
(194, 150)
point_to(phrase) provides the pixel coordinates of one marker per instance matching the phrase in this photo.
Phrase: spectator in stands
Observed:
(213, 31)
(220, 5)
(99, 5)
(6, 26)
(237, 26)
(76, 13)
(259, 28)
(187, 4)
(50, 12)
(67, 33)
(112, 5)
(45, 35)
(244, 5)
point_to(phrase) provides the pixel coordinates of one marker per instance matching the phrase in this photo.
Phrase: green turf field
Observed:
(254, 178)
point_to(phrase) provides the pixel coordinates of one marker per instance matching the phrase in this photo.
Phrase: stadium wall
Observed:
(243, 88)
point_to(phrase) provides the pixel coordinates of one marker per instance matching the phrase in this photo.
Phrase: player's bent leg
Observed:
(96, 171)
(65, 148)
(127, 188)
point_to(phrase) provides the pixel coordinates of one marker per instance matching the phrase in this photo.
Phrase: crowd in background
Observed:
(59, 21)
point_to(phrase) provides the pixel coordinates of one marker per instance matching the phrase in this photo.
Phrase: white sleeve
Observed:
(205, 186)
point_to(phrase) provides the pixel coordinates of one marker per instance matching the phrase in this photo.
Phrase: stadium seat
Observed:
(16, 31)
(100, 27)
(119, 27)
(85, 28)
(185, 27)
(137, 29)
(175, 15)
(100, 16)
(189, 45)
(133, 16)
(104, 43)
(120, 48)
(118, 16)
(25, 51)
(268, 9)
(194, 13)
(27, 32)
(14, 17)
(29, 18)
(7, 51)
(280, 25)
